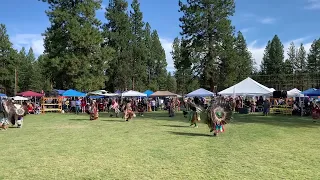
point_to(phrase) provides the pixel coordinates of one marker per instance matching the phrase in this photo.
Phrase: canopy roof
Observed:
(308, 91)
(30, 94)
(102, 93)
(19, 98)
(133, 94)
(312, 92)
(148, 92)
(73, 93)
(162, 94)
(247, 87)
(200, 93)
(294, 93)
(96, 97)
(3, 95)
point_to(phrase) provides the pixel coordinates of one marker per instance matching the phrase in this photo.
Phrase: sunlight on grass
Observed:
(67, 146)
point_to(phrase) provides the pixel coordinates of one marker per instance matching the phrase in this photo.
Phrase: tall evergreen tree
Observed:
(206, 26)
(118, 35)
(46, 66)
(73, 41)
(182, 63)
(292, 58)
(300, 66)
(138, 64)
(273, 62)
(148, 55)
(313, 62)
(8, 62)
(265, 60)
(171, 83)
(244, 67)
(25, 73)
(158, 54)
(301, 59)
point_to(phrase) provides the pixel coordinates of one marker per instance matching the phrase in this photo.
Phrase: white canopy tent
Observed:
(133, 94)
(19, 98)
(247, 87)
(102, 93)
(294, 93)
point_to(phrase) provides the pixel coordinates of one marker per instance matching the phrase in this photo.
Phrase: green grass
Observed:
(67, 146)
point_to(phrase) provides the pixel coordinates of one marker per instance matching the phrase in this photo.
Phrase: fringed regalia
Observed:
(171, 108)
(128, 113)
(94, 114)
(218, 115)
(115, 107)
(4, 123)
(141, 108)
(12, 113)
(194, 114)
(316, 112)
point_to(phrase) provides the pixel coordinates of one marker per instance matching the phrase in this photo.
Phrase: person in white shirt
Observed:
(153, 105)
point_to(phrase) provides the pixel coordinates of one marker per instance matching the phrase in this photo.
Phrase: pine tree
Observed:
(73, 41)
(171, 83)
(265, 60)
(118, 35)
(182, 64)
(273, 62)
(138, 64)
(313, 62)
(8, 62)
(46, 68)
(300, 64)
(292, 58)
(244, 66)
(158, 54)
(206, 26)
(300, 67)
(228, 62)
(149, 59)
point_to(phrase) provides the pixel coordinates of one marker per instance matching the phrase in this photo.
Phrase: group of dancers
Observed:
(126, 108)
(217, 114)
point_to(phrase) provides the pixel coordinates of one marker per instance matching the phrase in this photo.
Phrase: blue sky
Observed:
(259, 20)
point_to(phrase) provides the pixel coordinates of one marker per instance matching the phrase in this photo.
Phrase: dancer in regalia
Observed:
(11, 113)
(4, 123)
(94, 114)
(194, 114)
(140, 107)
(218, 115)
(115, 107)
(128, 113)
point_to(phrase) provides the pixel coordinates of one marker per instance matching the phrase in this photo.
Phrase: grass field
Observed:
(67, 146)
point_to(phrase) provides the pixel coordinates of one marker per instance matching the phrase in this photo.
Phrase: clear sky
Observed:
(259, 20)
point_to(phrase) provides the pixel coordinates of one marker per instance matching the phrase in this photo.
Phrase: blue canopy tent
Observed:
(148, 92)
(60, 92)
(200, 93)
(309, 91)
(313, 93)
(3, 96)
(73, 93)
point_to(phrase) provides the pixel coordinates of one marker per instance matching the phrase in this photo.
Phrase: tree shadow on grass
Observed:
(114, 120)
(189, 134)
(275, 120)
(79, 119)
(176, 126)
